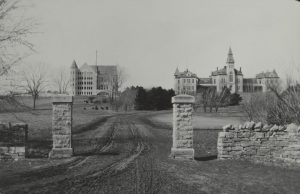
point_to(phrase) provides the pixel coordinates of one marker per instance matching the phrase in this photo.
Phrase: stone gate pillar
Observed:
(182, 127)
(62, 127)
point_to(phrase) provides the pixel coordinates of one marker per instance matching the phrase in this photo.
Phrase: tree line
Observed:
(139, 98)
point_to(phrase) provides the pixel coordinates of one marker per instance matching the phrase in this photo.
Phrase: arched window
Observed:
(230, 77)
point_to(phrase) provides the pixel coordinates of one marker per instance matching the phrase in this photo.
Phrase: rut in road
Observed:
(86, 173)
(125, 132)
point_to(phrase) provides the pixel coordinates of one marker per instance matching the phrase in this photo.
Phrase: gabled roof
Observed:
(185, 73)
(88, 68)
(106, 69)
(102, 69)
(219, 72)
(176, 71)
(74, 65)
(238, 72)
(224, 72)
(268, 74)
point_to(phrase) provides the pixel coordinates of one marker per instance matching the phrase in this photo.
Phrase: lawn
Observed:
(40, 121)
(209, 120)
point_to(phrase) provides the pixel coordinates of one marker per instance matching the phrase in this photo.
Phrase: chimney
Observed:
(240, 69)
(217, 68)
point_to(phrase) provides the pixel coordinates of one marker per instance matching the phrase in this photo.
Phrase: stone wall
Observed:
(182, 127)
(62, 127)
(269, 144)
(13, 139)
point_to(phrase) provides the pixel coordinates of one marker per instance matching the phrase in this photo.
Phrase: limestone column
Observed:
(182, 127)
(62, 127)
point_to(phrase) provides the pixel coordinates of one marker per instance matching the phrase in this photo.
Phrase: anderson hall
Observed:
(228, 76)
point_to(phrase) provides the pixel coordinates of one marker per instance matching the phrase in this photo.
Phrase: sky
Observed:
(150, 38)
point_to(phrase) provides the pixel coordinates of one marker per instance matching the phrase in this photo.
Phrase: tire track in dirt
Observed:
(96, 179)
(73, 176)
(121, 164)
(51, 170)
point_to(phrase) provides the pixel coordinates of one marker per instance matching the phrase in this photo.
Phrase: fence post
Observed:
(182, 127)
(62, 127)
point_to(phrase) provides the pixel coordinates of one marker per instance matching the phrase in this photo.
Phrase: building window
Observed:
(230, 77)
(178, 81)
(192, 80)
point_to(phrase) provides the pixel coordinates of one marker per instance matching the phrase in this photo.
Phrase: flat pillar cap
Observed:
(58, 99)
(183, 99)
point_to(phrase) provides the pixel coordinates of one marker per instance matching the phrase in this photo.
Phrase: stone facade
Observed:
(269, 144)
(62, 127)
(93, 80)
(185, 82)
(182, 127)
(13, 139)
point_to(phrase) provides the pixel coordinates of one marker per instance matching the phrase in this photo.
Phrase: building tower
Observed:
(230, 72)
(74, 78)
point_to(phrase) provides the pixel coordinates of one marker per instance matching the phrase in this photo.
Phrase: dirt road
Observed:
(128, 153)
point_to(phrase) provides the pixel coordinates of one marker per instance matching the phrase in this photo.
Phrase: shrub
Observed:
(273, 107)
(234, 99)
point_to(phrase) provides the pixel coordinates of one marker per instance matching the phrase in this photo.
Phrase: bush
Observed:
(234, 99)
(272, 108)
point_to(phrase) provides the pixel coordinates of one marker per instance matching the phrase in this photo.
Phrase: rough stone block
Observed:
(293, 128)
(183, 99)
(227, 128)
(61, 153)
(258, 126)
(4, 150)
(62, 141)
(62, 99)
(187, 153)
(259, 135)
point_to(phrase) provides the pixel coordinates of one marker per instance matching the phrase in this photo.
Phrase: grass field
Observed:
(40, 119)
(201, 120)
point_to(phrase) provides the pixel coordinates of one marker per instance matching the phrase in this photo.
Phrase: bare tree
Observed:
(213, 99)
(117, 81)
(278, 106)
(289, 99)
(255, 106)
(34, 81)
(62, 82)
(14, 31)
(127, 99)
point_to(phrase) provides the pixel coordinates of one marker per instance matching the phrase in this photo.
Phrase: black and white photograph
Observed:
(150, 96)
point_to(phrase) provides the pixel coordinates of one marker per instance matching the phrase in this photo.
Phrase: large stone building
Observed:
(93, 80)
(185, 82)
(228, 76)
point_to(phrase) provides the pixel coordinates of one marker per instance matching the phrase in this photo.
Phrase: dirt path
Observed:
(84, 172)
(128, 153)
